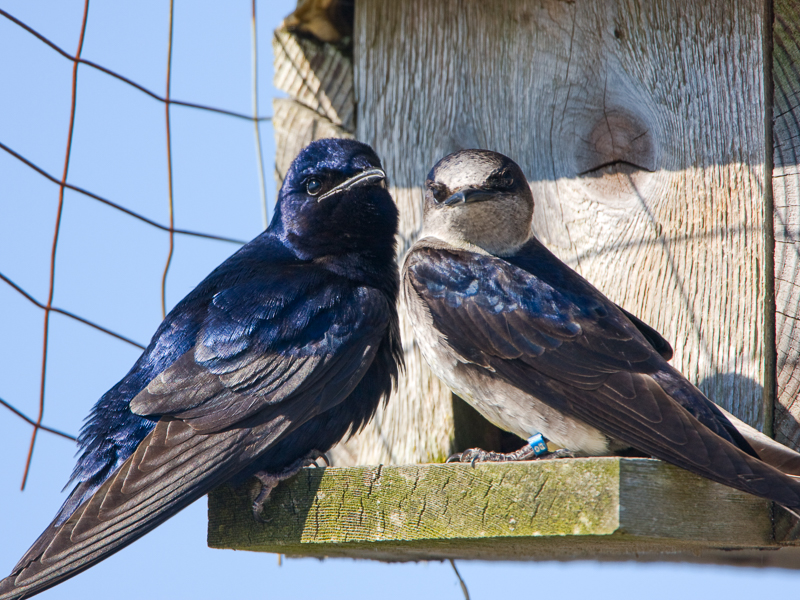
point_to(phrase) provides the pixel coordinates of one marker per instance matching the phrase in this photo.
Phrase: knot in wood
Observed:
(617, 139)
(617, 155)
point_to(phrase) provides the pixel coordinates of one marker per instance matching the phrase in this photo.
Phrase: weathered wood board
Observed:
(786, 199)
(319, 80)
(606, 508)
(641, 128)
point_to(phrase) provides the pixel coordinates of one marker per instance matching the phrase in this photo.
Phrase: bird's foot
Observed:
(270, 480)
(560, 453)
(476, 455)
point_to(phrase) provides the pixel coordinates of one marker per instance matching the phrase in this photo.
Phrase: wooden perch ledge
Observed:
(597, 508)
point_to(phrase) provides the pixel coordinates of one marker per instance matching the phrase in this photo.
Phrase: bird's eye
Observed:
(313, 186)
(502, 180)
(439, 193)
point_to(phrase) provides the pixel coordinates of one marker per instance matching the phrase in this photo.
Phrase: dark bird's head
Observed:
(478, 198)
(334, 201)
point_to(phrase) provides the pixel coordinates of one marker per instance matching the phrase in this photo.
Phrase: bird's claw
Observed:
(270, 480)
(560, 453)
(476, 455)
(312, 462)
(268, 483)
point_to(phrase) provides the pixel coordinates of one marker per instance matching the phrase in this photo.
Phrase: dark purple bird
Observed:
(283, 350)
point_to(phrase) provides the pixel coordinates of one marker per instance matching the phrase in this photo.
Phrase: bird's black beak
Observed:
(363, 178)
(468, 194)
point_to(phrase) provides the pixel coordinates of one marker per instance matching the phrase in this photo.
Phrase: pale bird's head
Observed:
(478, 198)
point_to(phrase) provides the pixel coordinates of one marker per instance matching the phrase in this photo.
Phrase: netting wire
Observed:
(63, 185)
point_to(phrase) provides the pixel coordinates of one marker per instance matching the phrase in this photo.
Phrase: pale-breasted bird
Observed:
(283, 350)
(540, 352)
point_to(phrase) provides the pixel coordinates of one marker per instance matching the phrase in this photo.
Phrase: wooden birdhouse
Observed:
(661, 141)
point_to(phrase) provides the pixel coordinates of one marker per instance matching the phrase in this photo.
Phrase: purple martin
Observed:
(283, 350)
(540, 352)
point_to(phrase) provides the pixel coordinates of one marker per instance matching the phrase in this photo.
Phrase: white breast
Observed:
(506, 406)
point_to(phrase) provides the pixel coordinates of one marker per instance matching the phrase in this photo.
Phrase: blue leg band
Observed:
(538, 443)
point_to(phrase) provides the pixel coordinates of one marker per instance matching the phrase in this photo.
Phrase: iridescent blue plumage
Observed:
(283, 350)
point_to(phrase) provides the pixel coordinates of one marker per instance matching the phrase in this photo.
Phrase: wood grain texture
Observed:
(786, 198)
(296, 126)
(319, 80)
(640, 126)
(567, 509)
(317, 75)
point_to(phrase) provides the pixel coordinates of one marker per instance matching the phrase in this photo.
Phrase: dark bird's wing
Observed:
(253, 376)
(656, 340)
(248, 363)
(554, 336)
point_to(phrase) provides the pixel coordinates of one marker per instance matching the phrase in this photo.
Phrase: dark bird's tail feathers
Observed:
(786, 460)
(170, 469)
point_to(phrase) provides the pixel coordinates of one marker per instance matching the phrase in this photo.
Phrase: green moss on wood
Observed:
(576, 508)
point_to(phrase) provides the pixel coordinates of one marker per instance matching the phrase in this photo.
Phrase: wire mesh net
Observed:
(119, 194)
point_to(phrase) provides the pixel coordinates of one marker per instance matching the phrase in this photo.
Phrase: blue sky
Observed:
(109, 269)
